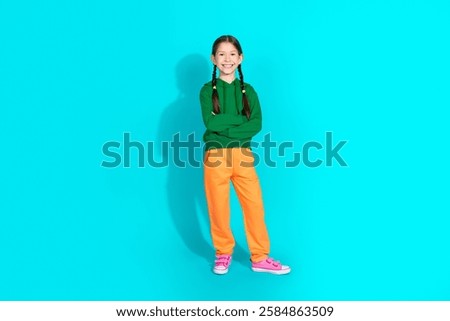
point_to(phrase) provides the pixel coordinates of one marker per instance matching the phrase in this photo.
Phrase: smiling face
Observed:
(227, 58)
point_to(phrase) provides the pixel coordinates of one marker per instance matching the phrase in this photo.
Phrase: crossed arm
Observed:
(232, 126)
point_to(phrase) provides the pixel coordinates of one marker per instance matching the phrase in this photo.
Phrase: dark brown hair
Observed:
(215, 96)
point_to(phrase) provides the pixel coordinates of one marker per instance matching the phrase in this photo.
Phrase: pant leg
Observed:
(217, 174)
(246, 183)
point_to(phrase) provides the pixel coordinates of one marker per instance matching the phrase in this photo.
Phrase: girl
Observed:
(232, 116)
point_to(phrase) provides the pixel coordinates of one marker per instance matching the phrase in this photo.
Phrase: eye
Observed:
(221, 54)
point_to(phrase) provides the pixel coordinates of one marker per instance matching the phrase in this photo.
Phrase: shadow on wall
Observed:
(185, 192)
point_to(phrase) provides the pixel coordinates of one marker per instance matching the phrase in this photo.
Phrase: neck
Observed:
(228, 78)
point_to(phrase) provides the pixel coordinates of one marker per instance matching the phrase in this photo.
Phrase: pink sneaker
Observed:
(269, 265)
(222, 263)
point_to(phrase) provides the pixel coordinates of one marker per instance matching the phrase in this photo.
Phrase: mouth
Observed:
(227, 65)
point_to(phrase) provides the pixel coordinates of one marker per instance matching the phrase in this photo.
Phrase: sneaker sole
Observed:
(277, 272)
(220, 271)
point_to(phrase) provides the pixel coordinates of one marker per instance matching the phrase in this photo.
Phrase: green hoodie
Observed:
(229, 128)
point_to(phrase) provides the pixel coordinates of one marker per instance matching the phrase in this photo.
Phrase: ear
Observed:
(241, 58)
(213, 59)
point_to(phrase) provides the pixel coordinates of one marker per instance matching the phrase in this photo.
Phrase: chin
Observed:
(228, 72)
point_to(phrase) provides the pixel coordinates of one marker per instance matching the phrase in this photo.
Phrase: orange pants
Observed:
(235, 164)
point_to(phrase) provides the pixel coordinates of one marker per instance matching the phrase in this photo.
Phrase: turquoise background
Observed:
(77, 74)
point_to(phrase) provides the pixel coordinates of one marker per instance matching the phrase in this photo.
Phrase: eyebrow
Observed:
(230, 51)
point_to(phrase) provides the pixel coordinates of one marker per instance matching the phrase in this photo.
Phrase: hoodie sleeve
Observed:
(219, 122)
(252, 126)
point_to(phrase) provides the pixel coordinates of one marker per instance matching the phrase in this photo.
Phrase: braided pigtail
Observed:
(246, 108)
(215, 96)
